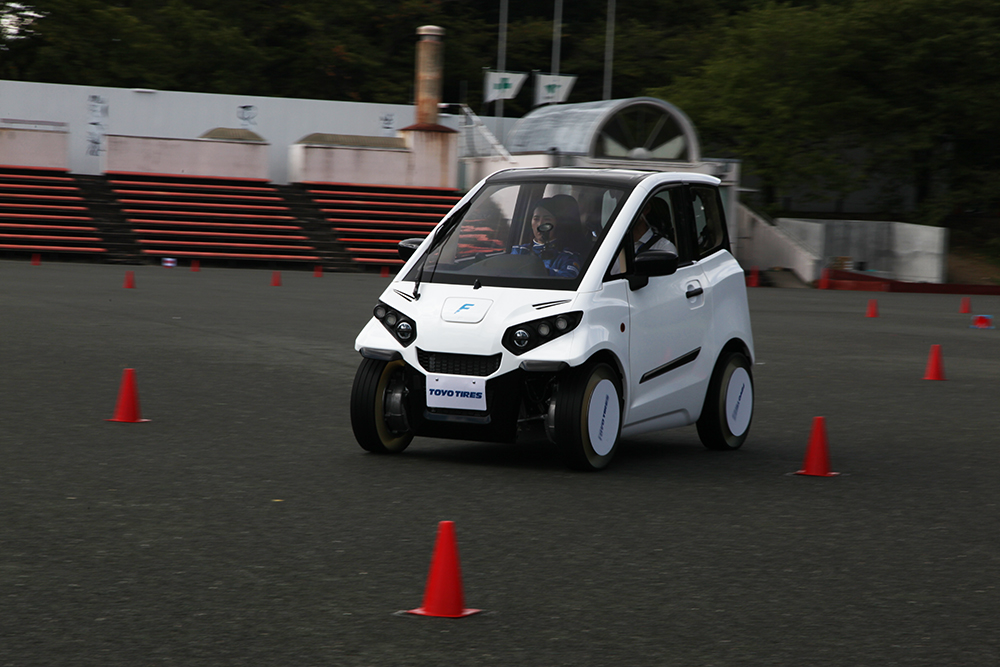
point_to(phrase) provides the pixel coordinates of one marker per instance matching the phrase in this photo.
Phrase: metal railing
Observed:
(477, 140)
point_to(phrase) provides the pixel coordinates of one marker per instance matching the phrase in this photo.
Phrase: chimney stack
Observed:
(430, 64)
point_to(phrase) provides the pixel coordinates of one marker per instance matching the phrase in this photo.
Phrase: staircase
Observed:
(44, 212)
(368, 221)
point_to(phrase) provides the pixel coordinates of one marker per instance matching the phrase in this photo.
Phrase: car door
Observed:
(668, 318)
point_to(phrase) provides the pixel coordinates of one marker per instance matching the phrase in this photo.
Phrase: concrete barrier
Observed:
(425, 159)
(47, 149)
(187, 157)
(895, 250)
(764, 245)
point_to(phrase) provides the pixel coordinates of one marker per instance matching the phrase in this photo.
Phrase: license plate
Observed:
(456, 392)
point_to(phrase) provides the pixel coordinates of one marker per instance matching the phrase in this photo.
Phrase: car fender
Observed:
(730, 308)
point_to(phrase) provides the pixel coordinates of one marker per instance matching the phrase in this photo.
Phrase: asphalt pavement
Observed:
(242, 525)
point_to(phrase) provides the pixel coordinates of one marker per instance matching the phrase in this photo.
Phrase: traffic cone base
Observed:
(935, 366)
(420, 611)
(817, 463)
(443, 596)
(127, 408)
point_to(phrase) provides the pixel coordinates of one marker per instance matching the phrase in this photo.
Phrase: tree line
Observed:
(827, 95)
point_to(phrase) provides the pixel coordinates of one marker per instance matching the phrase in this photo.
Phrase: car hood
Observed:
(462, 320)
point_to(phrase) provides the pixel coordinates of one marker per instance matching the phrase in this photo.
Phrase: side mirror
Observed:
(656, 263)
(407, 247)
(652, 263)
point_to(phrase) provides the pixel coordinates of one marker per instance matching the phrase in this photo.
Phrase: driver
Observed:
(558, 259)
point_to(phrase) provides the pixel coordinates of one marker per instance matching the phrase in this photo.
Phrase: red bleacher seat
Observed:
(210, 217)
(41, 210)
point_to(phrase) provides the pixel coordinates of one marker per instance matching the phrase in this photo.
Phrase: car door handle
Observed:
(693, 292)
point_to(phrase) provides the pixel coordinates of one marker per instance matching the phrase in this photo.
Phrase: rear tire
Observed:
(371, 390)
(588, 416)
(728, 410)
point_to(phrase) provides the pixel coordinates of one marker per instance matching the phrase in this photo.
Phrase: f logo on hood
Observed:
(464, 309)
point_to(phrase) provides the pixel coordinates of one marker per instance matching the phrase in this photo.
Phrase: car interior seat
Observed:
(569, 227)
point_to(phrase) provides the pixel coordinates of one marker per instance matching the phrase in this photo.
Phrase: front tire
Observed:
(725, 418)
(588, 416)
(375, 383)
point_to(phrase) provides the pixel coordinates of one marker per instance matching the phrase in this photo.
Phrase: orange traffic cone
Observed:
(935, 367)
(966, 306)
(384, 272)
(127, 409)
(754, 279)
(817, 463)
(318, 271)
(872, 308)
(36, 259)
(130, 280)
(443, 596)
(824, 281)
(195, 265)
(276, 279)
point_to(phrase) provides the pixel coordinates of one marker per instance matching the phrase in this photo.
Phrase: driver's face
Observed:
(540, 217)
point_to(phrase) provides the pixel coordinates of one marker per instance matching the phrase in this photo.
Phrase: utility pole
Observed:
(609, 49)
(556, 36)
(501, 61)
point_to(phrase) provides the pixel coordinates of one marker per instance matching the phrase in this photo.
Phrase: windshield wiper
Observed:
(423, 262)
(452, 225)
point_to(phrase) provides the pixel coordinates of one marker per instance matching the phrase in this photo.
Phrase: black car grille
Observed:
(459, 364)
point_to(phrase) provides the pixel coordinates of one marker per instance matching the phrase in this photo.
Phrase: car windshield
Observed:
(534, 234)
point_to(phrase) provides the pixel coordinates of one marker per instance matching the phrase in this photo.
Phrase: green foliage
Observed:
(835, 95)
(830, 95)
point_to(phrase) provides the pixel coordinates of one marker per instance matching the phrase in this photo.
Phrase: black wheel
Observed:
(378, 416)
(587, 411)
(728, 410)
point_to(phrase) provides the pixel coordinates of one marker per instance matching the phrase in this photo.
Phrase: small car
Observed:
(588, 304)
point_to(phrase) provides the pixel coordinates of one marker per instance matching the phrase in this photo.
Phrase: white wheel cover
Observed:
(739, 402)
(602, 417)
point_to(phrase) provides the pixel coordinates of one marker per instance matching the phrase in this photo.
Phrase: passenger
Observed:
(653, 228)
(560, 260)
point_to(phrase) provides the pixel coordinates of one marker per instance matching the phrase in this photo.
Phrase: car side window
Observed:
(654, 228)
(708, 220)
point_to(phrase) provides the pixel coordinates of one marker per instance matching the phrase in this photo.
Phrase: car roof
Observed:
(624, 178)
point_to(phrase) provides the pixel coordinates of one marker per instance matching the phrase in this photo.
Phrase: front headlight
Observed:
(402, 328)
(520, 338)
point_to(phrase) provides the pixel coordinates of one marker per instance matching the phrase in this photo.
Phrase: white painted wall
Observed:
(475, 169)
(92, 112)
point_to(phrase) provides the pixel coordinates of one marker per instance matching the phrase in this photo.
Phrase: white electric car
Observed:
(594, 304)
